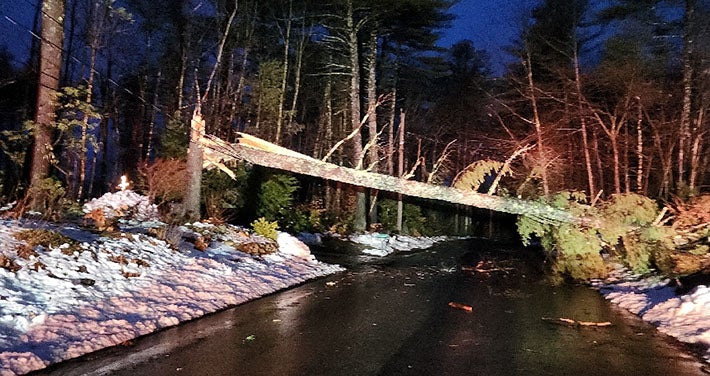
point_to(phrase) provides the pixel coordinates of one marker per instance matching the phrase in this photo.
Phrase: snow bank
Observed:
(124, 204)
(61, 305)
(685, 317)
(383, 244)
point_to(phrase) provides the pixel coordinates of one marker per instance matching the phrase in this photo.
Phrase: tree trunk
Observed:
(538, 130)
(297, 72)
(284, 73)
(400, 170)
(583, 125)
(360, 220)
(49, 70)
(373, 152)
(257, 151)
(85, 120)
(191, 203)
(688, 50)
(639, 148)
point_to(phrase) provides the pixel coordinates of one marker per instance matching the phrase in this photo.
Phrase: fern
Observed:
(265, 228)
(474, 175)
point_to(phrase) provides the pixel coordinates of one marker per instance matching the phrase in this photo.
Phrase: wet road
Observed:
(391, 317)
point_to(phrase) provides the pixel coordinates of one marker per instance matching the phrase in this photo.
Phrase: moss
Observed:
(47, 238)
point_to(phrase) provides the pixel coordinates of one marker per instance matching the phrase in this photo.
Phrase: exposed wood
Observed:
(260, 152)
(461, 306)
(570, 322)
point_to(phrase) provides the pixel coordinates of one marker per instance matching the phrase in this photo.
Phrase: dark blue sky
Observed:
(490, 24)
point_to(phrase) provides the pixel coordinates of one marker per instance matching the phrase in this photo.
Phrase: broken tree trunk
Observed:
(263, 153)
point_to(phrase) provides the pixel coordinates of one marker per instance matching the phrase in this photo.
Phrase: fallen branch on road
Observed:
(570, 322)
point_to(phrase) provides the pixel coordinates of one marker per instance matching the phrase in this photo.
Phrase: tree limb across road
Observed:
(263, 153)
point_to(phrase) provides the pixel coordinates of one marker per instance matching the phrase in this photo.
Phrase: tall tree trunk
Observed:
(284, 74)
(360, 221)
(583, 125)
(614, 139)
(400, 170)
(639, 147)
(298, 71)
(153, 113)
(49, 70)
(598, 159)
(390, 131)
(626, 165)
(85, 121)
(191, 203)
(688, 51)
(538, 129)
(373, 152)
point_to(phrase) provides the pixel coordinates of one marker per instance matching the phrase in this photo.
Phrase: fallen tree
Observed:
(263, 153)
(627, 226)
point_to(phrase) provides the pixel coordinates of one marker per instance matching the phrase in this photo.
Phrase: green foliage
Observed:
(304, 218)
(626, 220)
(265, 228)
(276, 197)
(622, 212)
(221, 195)
(269, 89)
(474, 175)
(13, 144)
(174, 142)
(413, 220)
(52, 198)
(529, 227)
(73, 110)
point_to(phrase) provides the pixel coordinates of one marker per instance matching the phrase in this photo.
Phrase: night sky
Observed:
(492, 25)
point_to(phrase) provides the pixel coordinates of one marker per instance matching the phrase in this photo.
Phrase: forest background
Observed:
(599, 99)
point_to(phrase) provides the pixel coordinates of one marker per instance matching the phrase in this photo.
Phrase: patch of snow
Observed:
(290, 245)
(379, 244)
(115, 288)
(685, 317)
(125, 203)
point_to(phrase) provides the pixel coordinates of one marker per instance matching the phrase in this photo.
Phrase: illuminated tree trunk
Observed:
(49, 70)
(360, 222)
(266, 154)
(688, 49)
(373, 152)
(284, 73)
(538, 129)
(583, 125)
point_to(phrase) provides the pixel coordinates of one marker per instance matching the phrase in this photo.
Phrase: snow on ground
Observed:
(62, 304)
(379, 244)
(685, 317)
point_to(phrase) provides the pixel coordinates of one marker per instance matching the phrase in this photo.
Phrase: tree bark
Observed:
(688, 50)
(257, 151)
(49, 70)
(373, 152)
(538, 129)
(583, 125)
(360, 221)
(284, 72)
